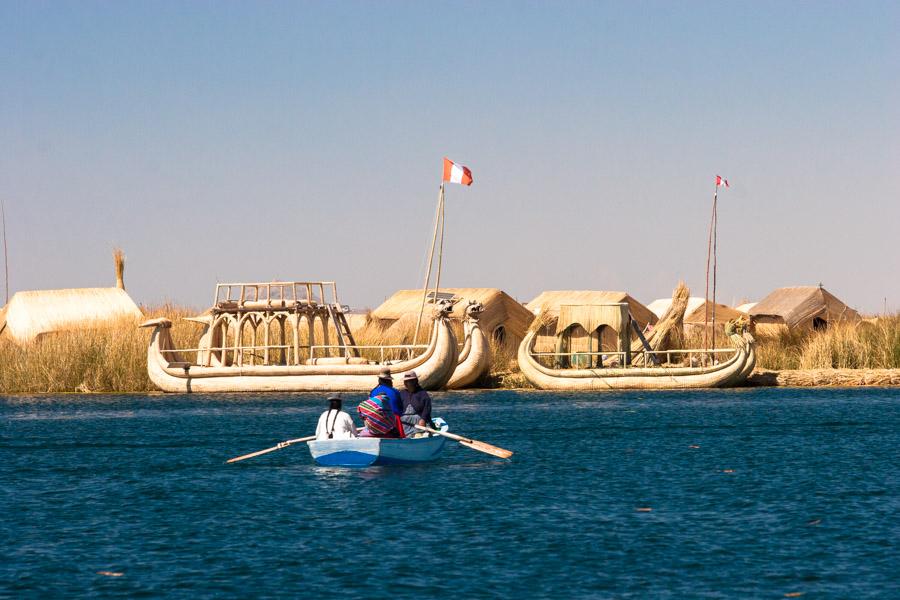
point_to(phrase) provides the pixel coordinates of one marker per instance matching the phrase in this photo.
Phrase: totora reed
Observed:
(114, 359)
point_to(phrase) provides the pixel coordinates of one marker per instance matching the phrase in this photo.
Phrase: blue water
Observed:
(786, 492)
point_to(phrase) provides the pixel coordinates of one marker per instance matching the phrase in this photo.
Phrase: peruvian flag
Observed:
(455, 173)
(721, 181)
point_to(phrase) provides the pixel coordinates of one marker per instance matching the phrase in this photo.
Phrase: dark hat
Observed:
(385, 373)
(410, 375)
(335, 398)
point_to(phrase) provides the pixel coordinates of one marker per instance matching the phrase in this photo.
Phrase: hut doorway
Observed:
(819, 324)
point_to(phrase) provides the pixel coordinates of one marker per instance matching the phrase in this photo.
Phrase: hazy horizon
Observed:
(301, 141)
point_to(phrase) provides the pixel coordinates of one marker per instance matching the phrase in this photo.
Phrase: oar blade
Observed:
(487, 448)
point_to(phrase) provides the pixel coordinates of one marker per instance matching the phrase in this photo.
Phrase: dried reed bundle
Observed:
(825, 377)
(668, 333)
(119, 258)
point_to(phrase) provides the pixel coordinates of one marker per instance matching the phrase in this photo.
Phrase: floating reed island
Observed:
(88, 340)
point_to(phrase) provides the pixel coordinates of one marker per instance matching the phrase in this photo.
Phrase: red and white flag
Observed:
(721, 181)
(455, 173)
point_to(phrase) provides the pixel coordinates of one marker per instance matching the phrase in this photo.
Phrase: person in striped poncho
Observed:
(378, 418)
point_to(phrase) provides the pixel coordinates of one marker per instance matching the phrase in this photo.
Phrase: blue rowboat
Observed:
(366, 451)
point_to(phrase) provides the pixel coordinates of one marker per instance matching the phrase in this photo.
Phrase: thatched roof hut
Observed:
(28, 315)
(603, 332)
(32, 314)
(695, 316)
(745, 308)
(550, 302)
(805, 307)
(504, 319)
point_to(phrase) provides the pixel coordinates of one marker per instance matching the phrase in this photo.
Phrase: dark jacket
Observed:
(418, 403)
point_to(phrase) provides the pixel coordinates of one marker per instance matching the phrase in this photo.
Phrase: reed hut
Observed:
(745, 307)
(800, 308)
(696, 314)
(586, 320)
(31, 314)
(504, 319)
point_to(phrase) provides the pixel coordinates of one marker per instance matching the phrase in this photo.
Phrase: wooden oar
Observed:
(473, 444)
(279, 446)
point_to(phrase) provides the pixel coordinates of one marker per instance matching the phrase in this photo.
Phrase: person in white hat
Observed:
(334, 423)
(416, 404)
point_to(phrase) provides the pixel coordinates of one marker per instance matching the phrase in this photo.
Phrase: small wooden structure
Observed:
(604, 328)
(283, 323)
(800, 308)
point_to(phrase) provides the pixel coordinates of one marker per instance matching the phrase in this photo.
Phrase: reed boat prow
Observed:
(475, 357)
(730, 372)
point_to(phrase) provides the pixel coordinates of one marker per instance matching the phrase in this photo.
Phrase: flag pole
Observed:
(440, 259)
(709, 247)
(430, 261)
(5, 253)
(715, 265)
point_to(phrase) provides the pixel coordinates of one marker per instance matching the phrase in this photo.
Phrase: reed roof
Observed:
(696, 310)
(499, 308)
(549, 303)
(745, 308)
(30, 314)
(800, 305)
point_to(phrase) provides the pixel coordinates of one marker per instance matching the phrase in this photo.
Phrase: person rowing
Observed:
(416, 405)
(334, 423)
(386, 388)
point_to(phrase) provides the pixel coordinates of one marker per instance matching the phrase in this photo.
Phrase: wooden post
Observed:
(295, 321)
(430, 261)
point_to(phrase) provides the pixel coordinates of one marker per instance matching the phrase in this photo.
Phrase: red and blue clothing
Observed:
(396, 404)
(393, 397)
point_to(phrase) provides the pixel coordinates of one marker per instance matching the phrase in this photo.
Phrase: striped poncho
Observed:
(377, 416)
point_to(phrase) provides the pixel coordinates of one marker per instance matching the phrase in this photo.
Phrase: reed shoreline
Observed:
(789, 378)
(113, 360)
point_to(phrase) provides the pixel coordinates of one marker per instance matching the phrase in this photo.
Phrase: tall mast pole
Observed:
(437, 218)
(709, 251)
(440, 259)
(715, 263)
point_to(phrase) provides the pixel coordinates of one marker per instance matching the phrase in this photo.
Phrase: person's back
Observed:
(378, 418)
(334, 423)
(386, 388)
(416, 404)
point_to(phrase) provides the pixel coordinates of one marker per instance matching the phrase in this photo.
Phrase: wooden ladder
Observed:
(345, 337)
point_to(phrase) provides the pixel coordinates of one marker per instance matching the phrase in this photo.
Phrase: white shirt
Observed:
(338, 422)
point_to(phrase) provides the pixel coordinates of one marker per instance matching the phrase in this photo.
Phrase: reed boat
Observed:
(474, 359)
(275, 337)
(367, 452)
(724, 367)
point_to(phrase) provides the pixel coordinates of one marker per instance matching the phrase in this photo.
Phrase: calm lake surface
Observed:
(753, 493)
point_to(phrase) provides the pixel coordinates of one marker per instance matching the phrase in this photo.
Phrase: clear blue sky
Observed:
(251, 141)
